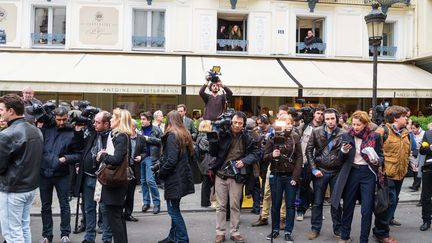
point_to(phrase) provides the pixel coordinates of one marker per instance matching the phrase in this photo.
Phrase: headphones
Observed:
(264, 119)
(242, 115)
(332, 110)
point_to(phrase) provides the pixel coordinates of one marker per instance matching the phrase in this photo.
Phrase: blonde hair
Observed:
(286, 118)
(362, 116)
(125, 121)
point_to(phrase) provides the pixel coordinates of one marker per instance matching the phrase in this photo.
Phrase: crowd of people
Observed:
(288, 164)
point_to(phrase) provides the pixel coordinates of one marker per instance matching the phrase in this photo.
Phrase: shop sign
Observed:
(145, 90)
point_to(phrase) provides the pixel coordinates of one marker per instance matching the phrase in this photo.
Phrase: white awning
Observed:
(354, 79)
(91, 73)
(244, 76)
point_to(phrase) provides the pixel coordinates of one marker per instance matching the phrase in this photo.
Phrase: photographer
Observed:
(284, 153)
(235, 152)
(62, 147)
(214, 102)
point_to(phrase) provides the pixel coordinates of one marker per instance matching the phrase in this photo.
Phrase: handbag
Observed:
(112, 175)
(382, 198)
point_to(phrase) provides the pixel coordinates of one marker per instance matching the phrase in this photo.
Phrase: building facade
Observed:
(149, 55)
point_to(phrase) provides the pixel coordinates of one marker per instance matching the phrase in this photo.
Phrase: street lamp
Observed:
(375, 24)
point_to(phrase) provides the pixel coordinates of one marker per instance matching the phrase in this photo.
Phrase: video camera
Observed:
(379, 112)
(85, 115)
(222, 123)
(43, 113)
(213, 74)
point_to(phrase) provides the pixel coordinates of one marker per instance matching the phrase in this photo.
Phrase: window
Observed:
(49, 26)
(231, 33)
(148, 29)
(310, 36)
(387, 47)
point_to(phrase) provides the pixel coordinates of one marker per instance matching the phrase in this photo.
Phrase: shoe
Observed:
(393, 222)
(337, 233)
(45, 240)
(411, 187)
(414, 190)
(272, 235)
(289, 238)
(345, 241)
(388, 239)
(131, 218)
(425, 226)
(313, 235)
(80, 229)
(65, 239)
(144, 208)
(260, 222)
(219, 238)
(237, 238)
(156, 209)
(166, 240)
(300, 216)
(282, 224)
(86, 241)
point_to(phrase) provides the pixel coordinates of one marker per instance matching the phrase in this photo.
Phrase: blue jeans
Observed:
(320, 185)
(148, 183)
(361, 180)
(46, 186)
(280, 185)
(382, 220)
(15, 216)
(178, 232)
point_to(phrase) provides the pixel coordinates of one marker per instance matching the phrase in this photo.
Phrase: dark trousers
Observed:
(117, 223)
(320, 185)
(206, 186)
(46, 186)
(361, 180)
(280, 185)
(417, 181)
(255, 191)
(426, 195)
(178, 232)
(382, 220)
(129, 202)
(305, 193)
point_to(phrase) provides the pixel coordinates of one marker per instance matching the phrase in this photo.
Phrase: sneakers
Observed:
(156, 209)
(65, 239)
(313, 235)
(289, 238)
(300, 216)
(272, 235)
(345, 241)
(260, 222)
(145, 207)
(395, 223)
(425, 226)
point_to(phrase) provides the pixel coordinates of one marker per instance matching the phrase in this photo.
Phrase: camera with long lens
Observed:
(85, 115)
(213, 74)
(222, 123)
(43, 113)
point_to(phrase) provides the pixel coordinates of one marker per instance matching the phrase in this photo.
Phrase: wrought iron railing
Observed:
(148, 41)
(389, 51)
(48, 39)
(315, 48)
(231, 45)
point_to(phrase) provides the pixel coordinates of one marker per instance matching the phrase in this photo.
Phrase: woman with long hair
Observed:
(175, 171)
(113, 197)
(359, 175)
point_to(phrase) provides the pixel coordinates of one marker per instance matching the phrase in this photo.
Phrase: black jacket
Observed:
(60, 142)
(426, 150)
(175, 169)
(220, 149)
(140, 150)
(323, 158)
(115, 195)
(155, 142)
(20, 156)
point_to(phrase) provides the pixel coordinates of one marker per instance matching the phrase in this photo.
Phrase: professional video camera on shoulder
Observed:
(85, 114)
(213, 74)
(43, 113)
(379, 112)
(222, 123)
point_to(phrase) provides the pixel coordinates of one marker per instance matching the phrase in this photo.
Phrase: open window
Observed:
(310, 35)
(387, 47)
(49, 26)
(148, 29)
(232, 33)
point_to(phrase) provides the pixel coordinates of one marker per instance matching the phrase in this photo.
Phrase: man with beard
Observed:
(214, 102)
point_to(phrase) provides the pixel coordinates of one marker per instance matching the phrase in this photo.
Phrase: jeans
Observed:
(320, 185)
(106, 227)
(46, 186)
(15, 216)
(280, 185)
(382, 220)
(148, 183)
(361, 180)
(178, 232)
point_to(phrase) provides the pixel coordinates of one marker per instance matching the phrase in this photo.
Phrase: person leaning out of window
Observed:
(358, 175)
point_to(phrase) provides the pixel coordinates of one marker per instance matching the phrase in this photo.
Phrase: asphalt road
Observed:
(201, 228)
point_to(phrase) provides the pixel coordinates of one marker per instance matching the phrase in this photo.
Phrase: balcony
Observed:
(47, 39)
(231, 45)
(148, 42)
(315, 48)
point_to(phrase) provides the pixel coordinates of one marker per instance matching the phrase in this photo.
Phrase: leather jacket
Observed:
(21, 147)
(323, 158)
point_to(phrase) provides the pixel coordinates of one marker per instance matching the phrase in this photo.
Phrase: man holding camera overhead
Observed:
(214, 102)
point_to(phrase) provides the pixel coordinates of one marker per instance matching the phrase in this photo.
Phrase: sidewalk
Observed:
(192, 202)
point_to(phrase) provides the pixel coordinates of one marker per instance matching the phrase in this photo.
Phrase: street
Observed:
(201, 227)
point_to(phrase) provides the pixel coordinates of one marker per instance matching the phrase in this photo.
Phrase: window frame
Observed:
(149, 29)
(50, 26)
(244, 18)
(323, 33)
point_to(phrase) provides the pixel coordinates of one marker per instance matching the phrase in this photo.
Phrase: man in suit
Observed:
(138, 148)
(188, 123)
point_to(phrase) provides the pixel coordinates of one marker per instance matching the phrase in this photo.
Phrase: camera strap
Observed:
(332, 136)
